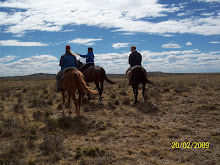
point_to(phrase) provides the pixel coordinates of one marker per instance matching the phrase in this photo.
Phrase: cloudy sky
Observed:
(172, 36)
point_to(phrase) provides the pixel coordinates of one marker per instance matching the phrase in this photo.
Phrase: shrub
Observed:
(51, 124)
(123, 93)
(3, 98)
(45, 91)
(52, 142)
(113, 96)
(60, 106)
(111, 105)
(126, 101)
(17, 95)
(24, 90)
(19, 100)
(117, 102)
(18, 108)
(65, 122)
(37, 115)
(91, 152)
(50, 102)
(86, 109)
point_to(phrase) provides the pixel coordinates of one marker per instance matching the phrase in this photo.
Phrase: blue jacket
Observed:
(67, 60)
(89, 57)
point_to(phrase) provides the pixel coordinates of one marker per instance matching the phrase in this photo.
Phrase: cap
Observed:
(68, 47)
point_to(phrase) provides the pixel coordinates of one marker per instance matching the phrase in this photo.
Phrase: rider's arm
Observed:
(61, 60)
(130, 59)
(84, 56)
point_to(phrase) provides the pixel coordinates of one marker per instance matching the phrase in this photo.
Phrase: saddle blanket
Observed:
(70, 68)
(129, 71)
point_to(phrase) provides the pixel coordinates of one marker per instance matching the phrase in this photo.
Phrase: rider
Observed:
(89, 59)
(67, 60)
(135, 59)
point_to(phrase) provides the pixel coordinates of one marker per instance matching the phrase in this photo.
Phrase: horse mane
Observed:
(72, 53)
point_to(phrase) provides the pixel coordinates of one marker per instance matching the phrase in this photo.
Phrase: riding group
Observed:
(74, 75)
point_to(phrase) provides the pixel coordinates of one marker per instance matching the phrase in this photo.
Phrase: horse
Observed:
(137, 77)
(95, 74)
(74, 80)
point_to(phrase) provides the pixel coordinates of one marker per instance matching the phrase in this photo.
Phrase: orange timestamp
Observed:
(179, 145)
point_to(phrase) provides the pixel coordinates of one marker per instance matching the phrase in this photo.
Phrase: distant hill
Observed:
(47, 76)
(38, 76)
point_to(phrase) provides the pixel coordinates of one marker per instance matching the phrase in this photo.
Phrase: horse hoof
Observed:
(100, 102)
(135, 102)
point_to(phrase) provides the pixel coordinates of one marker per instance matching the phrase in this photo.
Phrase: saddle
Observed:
(66, 70)
(92, 68)
(133, 68)
(87, 69)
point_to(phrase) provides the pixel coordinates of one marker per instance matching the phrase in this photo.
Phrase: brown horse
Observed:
(95, 74)
(137, 77)
(74, 80)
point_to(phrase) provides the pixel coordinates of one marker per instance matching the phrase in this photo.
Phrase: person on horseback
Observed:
(135, 60)
(89, 59)
(67, 60)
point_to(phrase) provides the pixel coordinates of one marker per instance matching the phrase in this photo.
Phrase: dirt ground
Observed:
(177, 124)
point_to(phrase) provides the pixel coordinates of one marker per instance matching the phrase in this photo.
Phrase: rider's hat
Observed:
(68, 47)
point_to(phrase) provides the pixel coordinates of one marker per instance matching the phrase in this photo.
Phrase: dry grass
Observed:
(177, 108)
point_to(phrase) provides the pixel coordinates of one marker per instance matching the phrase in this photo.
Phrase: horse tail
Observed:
(83, 84)
(106, 78)
(148, 81)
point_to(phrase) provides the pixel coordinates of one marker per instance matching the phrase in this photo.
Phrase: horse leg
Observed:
(100, 92)
(75, 102)
(79, 101)
(135, 90)
(88, 94)
(69, 103)
(143, 92)
(63, 94)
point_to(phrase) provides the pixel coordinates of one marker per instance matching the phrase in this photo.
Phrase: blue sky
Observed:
(172, 36)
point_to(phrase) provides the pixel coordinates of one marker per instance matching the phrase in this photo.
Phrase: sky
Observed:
(172, 36)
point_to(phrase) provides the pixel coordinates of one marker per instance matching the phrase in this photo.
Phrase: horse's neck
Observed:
(81, 66)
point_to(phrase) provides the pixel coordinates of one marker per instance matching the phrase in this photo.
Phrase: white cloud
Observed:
(181, 14)
(214, 42)
(68, 30)
(30, 65)
(121, 15)
(189, 43)
(168, 61)
(7, 58)
(172, 58)
(18, 43)
(208, 0)
(120, 45)
(171, 46)
(85, 41)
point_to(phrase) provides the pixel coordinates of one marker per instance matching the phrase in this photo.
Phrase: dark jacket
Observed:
(67, 60)
(135, 58)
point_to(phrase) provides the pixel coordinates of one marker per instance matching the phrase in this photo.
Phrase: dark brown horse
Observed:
(74, 80)
(95, 74)
(137, 77)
